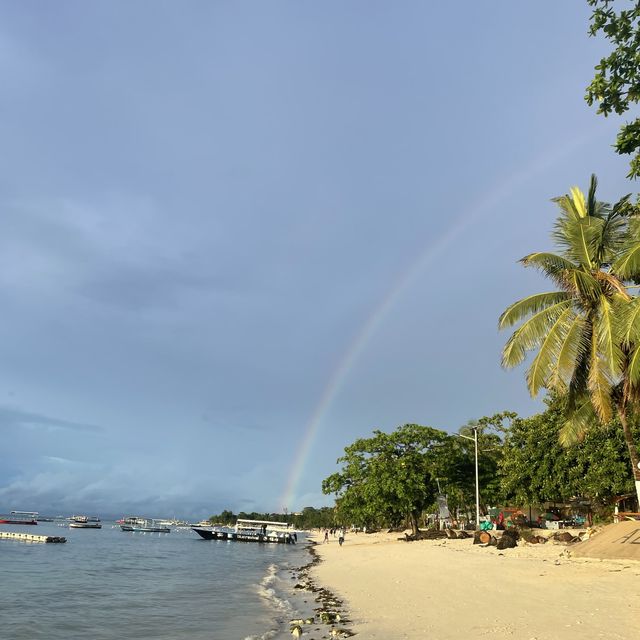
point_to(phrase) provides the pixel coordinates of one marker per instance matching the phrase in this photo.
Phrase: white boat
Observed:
(144, 525)
(250, 531)
(20, 517)
(85, 522)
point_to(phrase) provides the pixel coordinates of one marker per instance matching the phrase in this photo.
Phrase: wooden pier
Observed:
(29, 537)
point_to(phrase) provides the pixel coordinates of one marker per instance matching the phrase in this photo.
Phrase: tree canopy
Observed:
(535, 470)
(586, 333)
(387, 477)
(616, 85)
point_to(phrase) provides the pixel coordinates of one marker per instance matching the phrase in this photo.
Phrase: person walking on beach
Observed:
(341, 537)
(326, 535)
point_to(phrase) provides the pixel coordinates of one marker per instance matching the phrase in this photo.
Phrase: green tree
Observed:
(312, 518)
(535, 470)
(456, 463)
(587, 333)
(616, 85)
(387, 477)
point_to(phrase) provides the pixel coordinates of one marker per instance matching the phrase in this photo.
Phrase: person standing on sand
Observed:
(341, 537)
(326, 535)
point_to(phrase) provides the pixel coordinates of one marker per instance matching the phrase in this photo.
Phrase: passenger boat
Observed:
(85, 522)
(20, 517)
(250, 531)
(144, 525)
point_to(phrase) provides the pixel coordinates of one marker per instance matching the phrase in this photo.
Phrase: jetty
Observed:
(29, 537)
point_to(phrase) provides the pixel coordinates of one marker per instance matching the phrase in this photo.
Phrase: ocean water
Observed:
(107, 584)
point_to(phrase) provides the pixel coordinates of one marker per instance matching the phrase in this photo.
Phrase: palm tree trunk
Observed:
(631, 446)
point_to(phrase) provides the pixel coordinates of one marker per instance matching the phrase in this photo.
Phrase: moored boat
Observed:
(250, 531)
(144, 525)
(85, 522)
(20, 517)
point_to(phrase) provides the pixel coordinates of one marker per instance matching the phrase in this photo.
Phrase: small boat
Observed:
(20, 517)
(145, 525)
(250, 531)
(85, 522)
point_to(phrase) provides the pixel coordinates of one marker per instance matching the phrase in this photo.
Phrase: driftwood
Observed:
(484, 537)
(430, 534)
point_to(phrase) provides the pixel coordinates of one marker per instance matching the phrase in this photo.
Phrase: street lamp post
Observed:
(475, 442)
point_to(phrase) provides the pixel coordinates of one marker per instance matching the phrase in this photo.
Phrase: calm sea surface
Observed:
(107, 584)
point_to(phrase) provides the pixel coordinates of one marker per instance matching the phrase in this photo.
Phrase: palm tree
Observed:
(587, 332)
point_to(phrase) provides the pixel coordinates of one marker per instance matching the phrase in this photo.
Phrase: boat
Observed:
(85, 522)
(145, 525)
(250, 531)
(20, 517)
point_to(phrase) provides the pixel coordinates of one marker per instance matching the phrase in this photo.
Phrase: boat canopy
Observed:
(241, 522)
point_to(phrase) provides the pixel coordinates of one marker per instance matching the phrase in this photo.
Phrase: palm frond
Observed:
(611, 286)
(627, 266)
(551, 265)
(565, 203)
(607, 331)
(612, 235)
(544, 364)
(579, 421)
(548, 263)
(599, 383)
(580, 239)
(567, 354)
(579, 378)
(633, 369)
(584, 285)
(529, 305)
(531, 333)
(628, 314)
(591, 198)
(578, 200)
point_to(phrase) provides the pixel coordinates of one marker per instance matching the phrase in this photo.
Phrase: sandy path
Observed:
(437, 590)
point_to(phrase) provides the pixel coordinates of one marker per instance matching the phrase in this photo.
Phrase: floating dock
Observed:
(29, 537)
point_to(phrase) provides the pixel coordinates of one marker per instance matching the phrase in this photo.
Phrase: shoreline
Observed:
(324, 614)
(447, 589)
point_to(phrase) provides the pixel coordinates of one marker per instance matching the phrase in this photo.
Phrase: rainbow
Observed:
(432, 251)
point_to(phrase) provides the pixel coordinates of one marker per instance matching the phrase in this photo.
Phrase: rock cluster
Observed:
(329, 613)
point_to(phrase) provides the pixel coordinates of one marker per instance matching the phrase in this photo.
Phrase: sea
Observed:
(104, 584)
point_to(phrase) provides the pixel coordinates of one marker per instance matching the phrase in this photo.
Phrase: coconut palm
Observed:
(587, 332)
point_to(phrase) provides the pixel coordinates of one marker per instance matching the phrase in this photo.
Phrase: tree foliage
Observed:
(455, 464)
(534, 469)
(308, 518)
(587, 332)
(388, 476)
(616, 85)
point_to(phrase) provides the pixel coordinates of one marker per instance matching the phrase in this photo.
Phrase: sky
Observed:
(236, 236)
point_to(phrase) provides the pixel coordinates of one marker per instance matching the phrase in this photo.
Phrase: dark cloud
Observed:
(148, 287)
(12, 417)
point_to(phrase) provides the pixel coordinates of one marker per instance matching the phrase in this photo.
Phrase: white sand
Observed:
(440, 590)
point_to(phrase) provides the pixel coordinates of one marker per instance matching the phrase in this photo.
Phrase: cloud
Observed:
(121, 251)
(139, 287)
(12, 418)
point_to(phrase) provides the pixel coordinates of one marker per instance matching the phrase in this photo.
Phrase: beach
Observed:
(452, 589)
